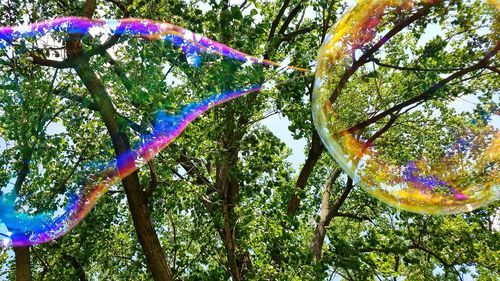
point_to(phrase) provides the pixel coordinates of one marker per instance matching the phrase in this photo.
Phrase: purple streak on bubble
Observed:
(141, 27)
(427, 183)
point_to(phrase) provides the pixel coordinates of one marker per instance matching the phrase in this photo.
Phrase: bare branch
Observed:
(242, 6)
(426, 95)
(290, 36)
(368, 54)
(277, 20)
(52, 63)
(379, 63)
(290, 17)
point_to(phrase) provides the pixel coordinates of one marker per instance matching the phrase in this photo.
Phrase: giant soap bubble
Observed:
(419, 150)
(19, 228)
(454, 172)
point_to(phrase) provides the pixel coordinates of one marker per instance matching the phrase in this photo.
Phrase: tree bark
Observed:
(23, 264)
(137, 202)
(230, 247)
(328, 213)
(23, 261)
(315, 152)
(228, 186)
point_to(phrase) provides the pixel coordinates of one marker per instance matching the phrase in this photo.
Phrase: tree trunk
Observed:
(23, 261)
(319, 233)
(228, 185)
(23, 264)
(137, 202)
(328, 213)
(230, 247)
(315, 152)
(318, 239)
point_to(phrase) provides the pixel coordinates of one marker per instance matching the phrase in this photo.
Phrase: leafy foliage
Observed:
(365, 239)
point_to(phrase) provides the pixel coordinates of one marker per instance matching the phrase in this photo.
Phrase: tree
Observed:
(224, 201)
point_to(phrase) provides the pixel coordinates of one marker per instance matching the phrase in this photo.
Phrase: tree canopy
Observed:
(222, 201)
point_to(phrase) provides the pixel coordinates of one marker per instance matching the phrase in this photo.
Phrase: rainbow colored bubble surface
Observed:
(22, 229)
(459, 172)
(437, 185)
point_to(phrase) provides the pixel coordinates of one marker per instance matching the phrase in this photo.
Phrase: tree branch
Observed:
(277, 20)
(326, 22)
(193, 171)
(101, 49)
(51, 63)
(313, 156)
(352, 216)
(369, 53)
(320, 231)
(290, 36)
(77, 266)
(290, 17)
(153, 183)
(115, 37)
(426, 95)
(379, 63)
(494, 69)
(91, 105)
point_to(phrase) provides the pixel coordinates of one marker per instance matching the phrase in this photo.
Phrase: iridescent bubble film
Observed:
(22, 228)
(456, 172)
(424, 148)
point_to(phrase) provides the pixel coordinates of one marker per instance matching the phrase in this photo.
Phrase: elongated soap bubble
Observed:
(18, 228)
(423, 147)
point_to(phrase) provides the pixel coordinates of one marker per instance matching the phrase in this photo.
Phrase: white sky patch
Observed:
(56, 128)
(21, 29)
(205, 7)
(496, 221)
(47, 40)
(278, 125)
(170, 79)
(309, 13)
(101, 33)
(483, 31)
(464, 104)
(248, 63)
(350, 3)
(286, 61)
(269, 85)
(431, 31)
(468, 103)
(495, 121)
(5, 144)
